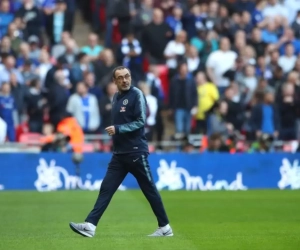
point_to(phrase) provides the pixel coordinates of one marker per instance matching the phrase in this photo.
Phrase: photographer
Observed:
(60, 143)
(264, 144)
(216, 144)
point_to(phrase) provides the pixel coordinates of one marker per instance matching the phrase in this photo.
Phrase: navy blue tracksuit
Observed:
(129, 155)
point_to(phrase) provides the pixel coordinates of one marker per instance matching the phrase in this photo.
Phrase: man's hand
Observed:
(258, 134)
(229, 127)
(108, 106)
(13, 79)
(111, 130)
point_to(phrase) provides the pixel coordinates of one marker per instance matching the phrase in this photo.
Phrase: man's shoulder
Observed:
(74, 96)
(213, 56)
(136, 92)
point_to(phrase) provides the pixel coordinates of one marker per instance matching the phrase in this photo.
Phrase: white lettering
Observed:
(290, 174)
(52, 177)
(174, 178)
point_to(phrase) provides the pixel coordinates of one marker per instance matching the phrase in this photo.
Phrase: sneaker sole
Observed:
(169, 235)
(82, 233)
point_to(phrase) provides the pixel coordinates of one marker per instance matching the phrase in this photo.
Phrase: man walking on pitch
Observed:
(129, 156)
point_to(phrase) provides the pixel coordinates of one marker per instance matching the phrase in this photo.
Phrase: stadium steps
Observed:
(81, 30)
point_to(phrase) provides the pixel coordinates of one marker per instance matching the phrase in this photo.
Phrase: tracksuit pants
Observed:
(119, 166)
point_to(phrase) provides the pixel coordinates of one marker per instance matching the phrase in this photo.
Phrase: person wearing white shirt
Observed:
(288, 61)
(85, 108)
(152, 109)
(44, 67)
(175, 49)
(249, 82)
(3, 130)
(193, 60)
(8, 69)
(130, 47)
(219, 62)
(292, 6)
(276, 12)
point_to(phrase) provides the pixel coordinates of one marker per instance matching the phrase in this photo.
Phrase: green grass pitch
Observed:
(254, 220)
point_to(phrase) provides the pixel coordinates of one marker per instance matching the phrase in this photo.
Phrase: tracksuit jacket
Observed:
(129, 113)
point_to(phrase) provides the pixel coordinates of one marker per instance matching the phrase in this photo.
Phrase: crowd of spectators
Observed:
(233, 66)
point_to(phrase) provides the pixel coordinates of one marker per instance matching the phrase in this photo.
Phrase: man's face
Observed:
(289, 50)
(224, 44)
(5, 6)
(65, 37)
(90, 79)
(229, 93)
(183, 70)
(111, 89)
(6, 88)
(157, 16)
(256, 35)
(81, 89)
(61, 6)
(92, 40)
(263, 83)
(130, 38)
(215, 144)
(223, 108)
(122, 79)
(10, 62)
(269, 98)
(181, 37)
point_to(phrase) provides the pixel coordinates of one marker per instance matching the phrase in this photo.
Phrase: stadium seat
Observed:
(88, 148)
(21, 129)
(145, 65)
(30, 138)
(151, 148)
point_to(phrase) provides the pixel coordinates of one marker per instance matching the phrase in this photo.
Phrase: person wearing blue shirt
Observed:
(244, 5)
(79, 68)
(8, 110)
(193, 21)
(22, 60)
(24, 56)
(5, 17)
(257, 15)
(174, 21)
(289, 38)
(93, 49)
(264, 117)
(269, 34)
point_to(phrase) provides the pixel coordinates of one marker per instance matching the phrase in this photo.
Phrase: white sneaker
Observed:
(163, 231)
(85, 229)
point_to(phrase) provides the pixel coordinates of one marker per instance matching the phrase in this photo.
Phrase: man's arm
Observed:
(139, 114)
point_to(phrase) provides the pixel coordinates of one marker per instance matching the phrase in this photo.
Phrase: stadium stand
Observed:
(224, 75)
